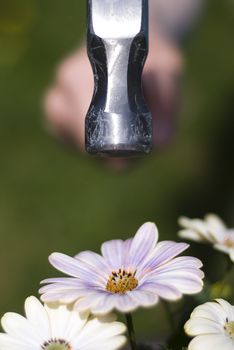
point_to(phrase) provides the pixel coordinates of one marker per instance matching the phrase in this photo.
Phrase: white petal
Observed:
(211, 311)
(197, 326)
(216, 226)
(98, 332)
(37, 316)
(143, 243)
(114, 343)
(228, 309)
(194, 224)
(19, 327)
(211, 342)
(231, 253)
(65, 322)
(221, 247)
(10, 343)
(192, 235)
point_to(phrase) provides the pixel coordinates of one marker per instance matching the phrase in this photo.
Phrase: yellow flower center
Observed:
(121, 282)
(229, 242)
(56, 344)
(229, 328)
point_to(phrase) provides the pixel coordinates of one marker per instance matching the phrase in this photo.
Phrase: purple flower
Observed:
(127, 275)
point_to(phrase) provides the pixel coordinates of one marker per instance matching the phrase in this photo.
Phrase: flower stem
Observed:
(131, 332)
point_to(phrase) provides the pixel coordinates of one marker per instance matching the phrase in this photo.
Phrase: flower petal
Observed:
(162, 290)
(216, 226)
(144, 298)
(211, 311)
(107, 335)
(228, 308)
(194, 225)
(143, 243)
(65, 323)
(200, 325)
(95, 260)
(89, 301)
(19, 327)
(10, 343)
(62, 295)
(114, 252)
(37, 316)
(165, 251)
(211, 342)
(192, 235)
(74, 267)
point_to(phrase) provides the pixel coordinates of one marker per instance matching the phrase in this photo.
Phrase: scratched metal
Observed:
(118, 122)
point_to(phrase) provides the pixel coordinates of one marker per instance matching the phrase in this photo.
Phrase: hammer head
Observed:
(118, 122)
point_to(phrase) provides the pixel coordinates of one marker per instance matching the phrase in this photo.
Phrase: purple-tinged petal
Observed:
(65, 264)
(143, 243)
(89, 301)
(162, 290)
(126, 303)
(94, 260)
(78, 269)
(100, 303)
(164, 252)
(144, 298)
(60, 286)
(178, 265)
(63, 296)
(64, 280)
(122, 302)
(114, 252)
(185, 285)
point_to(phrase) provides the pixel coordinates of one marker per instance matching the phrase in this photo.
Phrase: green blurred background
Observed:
(52, 199)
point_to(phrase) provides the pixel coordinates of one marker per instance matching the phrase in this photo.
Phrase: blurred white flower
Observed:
(211, 230)
(59, 327)
(212, 324)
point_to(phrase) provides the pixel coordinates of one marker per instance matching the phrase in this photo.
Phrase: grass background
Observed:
(52, 199)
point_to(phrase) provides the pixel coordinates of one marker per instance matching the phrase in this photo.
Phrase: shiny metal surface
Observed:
(118, 122)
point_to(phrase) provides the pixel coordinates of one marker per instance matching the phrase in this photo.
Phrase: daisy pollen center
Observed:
(229, 242)
(229, 328)
(121, 281)
(56, 344)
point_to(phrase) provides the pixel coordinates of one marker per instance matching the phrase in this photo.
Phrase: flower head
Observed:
(59, 327)
(128, 274)
(212, 324)
(211, 230)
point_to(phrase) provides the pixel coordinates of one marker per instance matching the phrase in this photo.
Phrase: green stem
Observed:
(131, 332)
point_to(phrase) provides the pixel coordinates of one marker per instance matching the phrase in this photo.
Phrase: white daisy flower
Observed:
(212, 324)
(59, 327)
(211, 230)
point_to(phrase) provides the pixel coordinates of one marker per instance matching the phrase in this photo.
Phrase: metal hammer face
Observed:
(118, 122)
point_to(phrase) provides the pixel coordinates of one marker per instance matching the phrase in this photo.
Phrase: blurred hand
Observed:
(68, 99)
